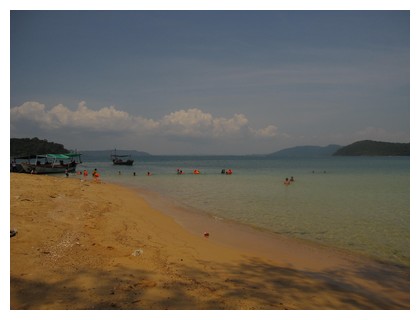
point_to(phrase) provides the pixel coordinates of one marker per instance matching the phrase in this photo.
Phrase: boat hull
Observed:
(122, 162)
(48, 169)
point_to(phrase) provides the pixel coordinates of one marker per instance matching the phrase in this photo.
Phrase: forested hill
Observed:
(306, 151)
(26, 146)
(374, 148)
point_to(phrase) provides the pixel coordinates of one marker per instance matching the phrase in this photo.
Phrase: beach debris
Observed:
(13, 232)
(137, 252)
(206, 234)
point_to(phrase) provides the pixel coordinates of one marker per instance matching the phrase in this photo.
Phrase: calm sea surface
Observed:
(357, 203)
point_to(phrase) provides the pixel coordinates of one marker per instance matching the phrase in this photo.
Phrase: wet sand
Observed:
(87, 245)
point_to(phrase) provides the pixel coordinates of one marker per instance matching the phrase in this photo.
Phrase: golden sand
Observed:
(87, 245)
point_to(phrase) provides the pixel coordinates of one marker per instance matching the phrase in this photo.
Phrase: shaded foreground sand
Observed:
(87, 245)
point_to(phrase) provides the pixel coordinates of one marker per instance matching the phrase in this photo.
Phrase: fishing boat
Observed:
(52, 163)
(121, 160)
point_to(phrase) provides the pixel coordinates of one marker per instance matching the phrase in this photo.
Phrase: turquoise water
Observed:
(357, 203)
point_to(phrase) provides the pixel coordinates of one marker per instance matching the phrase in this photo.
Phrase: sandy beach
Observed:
(87, 245)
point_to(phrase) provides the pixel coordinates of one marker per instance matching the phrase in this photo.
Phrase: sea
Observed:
(359, 204)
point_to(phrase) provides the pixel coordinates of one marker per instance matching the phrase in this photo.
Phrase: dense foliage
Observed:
(26, 146)
(374, 148)
(306, 151)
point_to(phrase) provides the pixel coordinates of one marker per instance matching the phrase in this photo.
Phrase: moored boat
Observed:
(121, 160)
(52, 163)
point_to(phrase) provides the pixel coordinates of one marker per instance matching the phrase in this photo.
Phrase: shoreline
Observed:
(334, 221)
(149, 260)
(240, 235)
(244, 237)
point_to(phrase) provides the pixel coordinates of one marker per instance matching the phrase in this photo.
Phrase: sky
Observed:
(209, 82)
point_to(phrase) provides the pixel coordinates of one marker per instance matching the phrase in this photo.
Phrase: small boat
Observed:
(120, 160)
(52, 163)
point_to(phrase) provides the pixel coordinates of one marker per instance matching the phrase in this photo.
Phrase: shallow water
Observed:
(357, 203)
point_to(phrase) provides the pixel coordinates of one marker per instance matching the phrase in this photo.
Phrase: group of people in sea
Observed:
(95, 174)
(288, 181)
(228, 171)
(134, 173)
(196, 171)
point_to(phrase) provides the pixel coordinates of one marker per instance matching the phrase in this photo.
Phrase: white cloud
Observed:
(186, 123)
(194, 122)
(105, 119)
(267, 132)
(191, 122)
(61, 117)
(32, 111)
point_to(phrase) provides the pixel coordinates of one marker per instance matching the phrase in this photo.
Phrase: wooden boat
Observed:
(52, 163)
(120, 160)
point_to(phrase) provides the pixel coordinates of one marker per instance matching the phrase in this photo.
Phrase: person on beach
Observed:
(85, 173)
(13, 166)
(96, 175)
(292, 179)
(286, 182)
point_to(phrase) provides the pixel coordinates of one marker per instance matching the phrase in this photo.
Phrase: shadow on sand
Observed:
(253, 284)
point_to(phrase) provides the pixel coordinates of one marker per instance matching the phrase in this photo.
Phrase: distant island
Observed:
(306, 151)
(374, 148)
(359, 148)
(24, 147)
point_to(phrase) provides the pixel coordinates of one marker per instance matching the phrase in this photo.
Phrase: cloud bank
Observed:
(187, 131)
(192, 122)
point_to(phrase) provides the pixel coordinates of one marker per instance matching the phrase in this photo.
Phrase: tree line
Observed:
(24, 147)
(374, 148)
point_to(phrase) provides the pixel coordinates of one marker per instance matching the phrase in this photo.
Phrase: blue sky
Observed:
(209, 82)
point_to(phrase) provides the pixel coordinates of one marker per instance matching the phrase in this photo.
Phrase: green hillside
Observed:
(306, 151)
(26, 146)
(374, 148)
